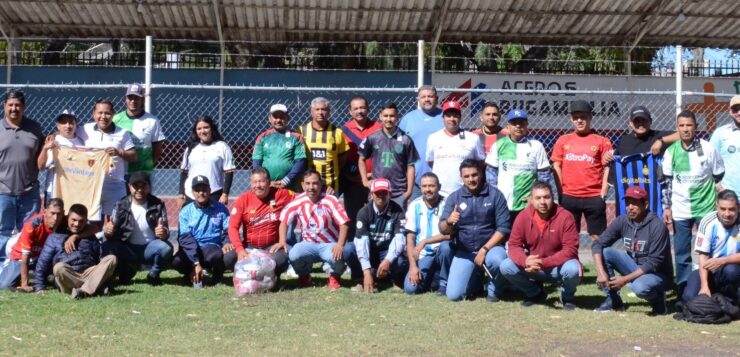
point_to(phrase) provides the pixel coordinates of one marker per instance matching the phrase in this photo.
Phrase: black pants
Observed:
(211, 258)
(280, 257)
(594, 208)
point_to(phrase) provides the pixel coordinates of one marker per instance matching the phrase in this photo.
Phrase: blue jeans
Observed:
(568, 275)
(10, 274)
(682, 248)
(466, 279)
(157, 253)
(651, 286)
(14, 211)
(726, 280)
(304, 254)
(430, 267)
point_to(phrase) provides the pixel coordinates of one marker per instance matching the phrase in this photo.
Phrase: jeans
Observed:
(651, 286)
(568, 275)
(10, 274)
(726, 280)
(465, 279)
(304, 254)
(430, 267)
(682, 248)
(14, 211)
(157, 253)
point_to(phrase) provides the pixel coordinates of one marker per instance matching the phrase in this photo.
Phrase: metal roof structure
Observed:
(692, 23)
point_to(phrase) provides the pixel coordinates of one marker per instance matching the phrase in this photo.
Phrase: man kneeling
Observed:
(543, 246)
(82, 272)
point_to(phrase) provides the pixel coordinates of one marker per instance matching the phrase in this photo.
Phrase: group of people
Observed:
(415, 200)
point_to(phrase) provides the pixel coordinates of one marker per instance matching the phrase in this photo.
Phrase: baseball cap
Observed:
(734, 101)
(380, 184)
(139, 176)
(450, 105)
(635, 192)
(200, 180)
(640, 111)
(581, 106)
(135, 89)
(516, 114)
(67, 113)
(278, 108)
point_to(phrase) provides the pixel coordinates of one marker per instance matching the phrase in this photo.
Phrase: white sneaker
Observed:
(291, 273)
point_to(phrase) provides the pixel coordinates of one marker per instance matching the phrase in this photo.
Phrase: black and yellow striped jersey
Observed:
(323, 148)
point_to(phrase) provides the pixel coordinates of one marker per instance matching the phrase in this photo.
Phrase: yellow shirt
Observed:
(323, 148)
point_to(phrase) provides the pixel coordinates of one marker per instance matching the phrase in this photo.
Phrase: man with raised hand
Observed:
(280, 150)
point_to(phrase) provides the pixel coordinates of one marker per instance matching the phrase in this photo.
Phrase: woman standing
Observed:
(208, 155)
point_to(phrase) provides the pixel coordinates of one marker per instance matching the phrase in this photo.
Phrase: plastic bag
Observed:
(256, 274)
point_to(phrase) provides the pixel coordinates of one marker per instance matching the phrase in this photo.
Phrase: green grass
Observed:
(177, 320)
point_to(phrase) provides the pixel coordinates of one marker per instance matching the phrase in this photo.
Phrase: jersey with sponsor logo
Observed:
(582, 160)
(637, 170)
(278, 152)
(726, 139)
(77, 171)
(319, 221)
(517, 164)
(32, 238)
(446, 152)
(258, 218)
(323, 150)
(424, 222)
(391, 156)
(693, 193)
(716, 240)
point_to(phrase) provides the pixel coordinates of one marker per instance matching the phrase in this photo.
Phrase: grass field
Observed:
(176, 320)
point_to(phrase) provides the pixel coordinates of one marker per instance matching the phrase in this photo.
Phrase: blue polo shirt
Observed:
(481, 215)
(419, 125)
(208, 225)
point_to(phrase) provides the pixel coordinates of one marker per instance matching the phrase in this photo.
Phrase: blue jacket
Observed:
(86, 255)
(201, 226)
(480, 216)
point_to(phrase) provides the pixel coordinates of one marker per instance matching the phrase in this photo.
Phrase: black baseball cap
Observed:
(581, 106)
(139, 176)
(639, 111)
(200, 180)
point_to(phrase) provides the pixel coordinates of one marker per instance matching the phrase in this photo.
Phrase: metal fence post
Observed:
(679, 78)
(148, 75)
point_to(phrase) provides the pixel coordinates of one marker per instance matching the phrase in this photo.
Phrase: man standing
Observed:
(644, 264)
(145, 130)
(448, 147)
(490, 131)
(419, 124)
(256, 212)
(82, 272)
(323, 229)
(726, 139)
(21, 140)
(325, 143)
(516, 161)
(394, 156)
(718, 245)
(581, 171)
(477, 218)
(543, 246)
(280, 150)
(691, 168)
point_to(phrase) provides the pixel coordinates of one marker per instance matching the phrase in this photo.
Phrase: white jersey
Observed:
(726, 139)
(119, 139)
(424, 221)
(716, 240)
(447, 152)
(210, 161)
(693, 192)
(517, 165)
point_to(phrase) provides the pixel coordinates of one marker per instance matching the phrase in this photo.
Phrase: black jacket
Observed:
(123, 218)
(87, 254)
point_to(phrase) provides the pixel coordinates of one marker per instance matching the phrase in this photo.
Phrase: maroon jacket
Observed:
(557, 245)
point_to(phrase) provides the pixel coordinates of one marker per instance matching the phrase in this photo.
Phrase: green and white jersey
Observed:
(517, 165)
(145, 130)
(693, 192)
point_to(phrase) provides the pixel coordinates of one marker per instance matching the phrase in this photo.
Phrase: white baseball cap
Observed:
(278, 108)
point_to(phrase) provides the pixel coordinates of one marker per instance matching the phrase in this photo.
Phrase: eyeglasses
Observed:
(735, 109)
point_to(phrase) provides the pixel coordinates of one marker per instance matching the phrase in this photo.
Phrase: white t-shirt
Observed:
(517, 165)
(61, 141)
(141, 234)
(447, 152)
(119, 139)
(210, 161)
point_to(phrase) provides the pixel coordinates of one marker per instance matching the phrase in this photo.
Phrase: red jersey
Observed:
(32, 238)
(319, 221)
(259, 218)
(354, 135)
(582, 159)
(487, 140)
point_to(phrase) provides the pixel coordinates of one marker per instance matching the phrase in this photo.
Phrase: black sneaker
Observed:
(153, 279)
(127, 277)
(537, 299)
(78, 294)
(659, 306)
(442, 291)
(611, 304)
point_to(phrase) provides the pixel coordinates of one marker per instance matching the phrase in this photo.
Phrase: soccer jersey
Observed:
(392, 155)
(693, 193)
(278, 151)
(517, 165)
(319, 221)
(419, 125)
(49, 167)
(32, 238)
(118, 138)
(424, 221)
(324, 148)
(210, 161)
(145, 130)
(81, 171)
(642, 170)
(447, 152)
(487, 140)
(716, 240)
(354, 135)
(257, 218)
(726, 139)
(208, 225)
(582, 160)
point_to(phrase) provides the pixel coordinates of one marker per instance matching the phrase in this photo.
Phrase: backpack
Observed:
(703, 309)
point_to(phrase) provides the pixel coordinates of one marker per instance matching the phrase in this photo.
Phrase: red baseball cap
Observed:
(450, 105)
(636, 192)
(380, 184)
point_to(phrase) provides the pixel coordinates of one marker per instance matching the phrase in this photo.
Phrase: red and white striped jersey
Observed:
(319, 221)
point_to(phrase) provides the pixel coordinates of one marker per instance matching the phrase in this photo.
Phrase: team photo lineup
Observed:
(410, 201)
